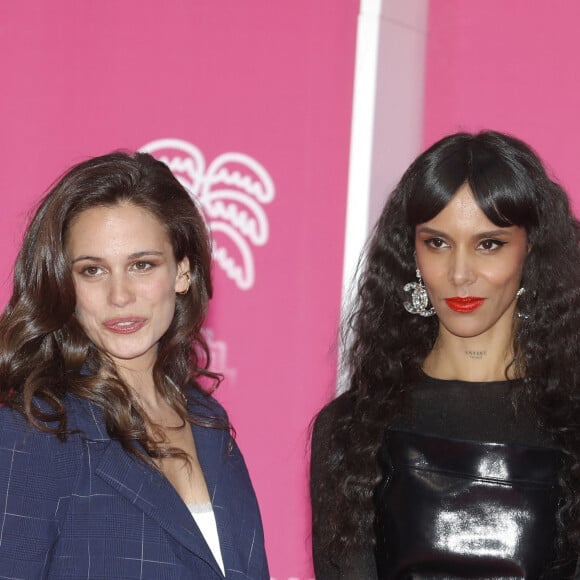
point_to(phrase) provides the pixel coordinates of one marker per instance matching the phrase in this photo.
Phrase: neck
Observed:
(481, 359)
(141, 382)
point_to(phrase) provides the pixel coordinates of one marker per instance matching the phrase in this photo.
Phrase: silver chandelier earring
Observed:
(419, 303)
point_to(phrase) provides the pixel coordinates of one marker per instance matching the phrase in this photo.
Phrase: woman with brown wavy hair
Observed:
(455, 450)
(114, 461)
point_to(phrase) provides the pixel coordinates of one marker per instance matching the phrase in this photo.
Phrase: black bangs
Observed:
(503, 189)
(497, 174)
(435, 177)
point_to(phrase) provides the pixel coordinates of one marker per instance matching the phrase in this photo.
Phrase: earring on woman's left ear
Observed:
(183, 292)
(519, 313)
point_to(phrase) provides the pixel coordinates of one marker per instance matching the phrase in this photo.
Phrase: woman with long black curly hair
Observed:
(455, 450)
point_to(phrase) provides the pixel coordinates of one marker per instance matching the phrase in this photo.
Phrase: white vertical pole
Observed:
(387, 115)
(362, 133)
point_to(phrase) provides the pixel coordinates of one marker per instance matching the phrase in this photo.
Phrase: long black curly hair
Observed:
(384, 346)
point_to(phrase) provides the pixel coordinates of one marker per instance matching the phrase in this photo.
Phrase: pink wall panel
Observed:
(511, 66)
(269, 80)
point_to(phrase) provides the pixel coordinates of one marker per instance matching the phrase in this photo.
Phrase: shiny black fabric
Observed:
(448, 412)
(462, 509)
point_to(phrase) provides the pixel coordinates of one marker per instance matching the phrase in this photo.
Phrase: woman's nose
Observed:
(121, 291)
(461, 269)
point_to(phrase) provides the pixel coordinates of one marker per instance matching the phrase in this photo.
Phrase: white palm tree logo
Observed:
(231, 192)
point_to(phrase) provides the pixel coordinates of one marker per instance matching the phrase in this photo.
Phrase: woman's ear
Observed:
(183, 277)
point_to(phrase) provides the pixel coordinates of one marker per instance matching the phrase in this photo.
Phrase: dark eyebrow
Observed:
(134, 256)
(427, 230)
(145, 253)
(495, 233)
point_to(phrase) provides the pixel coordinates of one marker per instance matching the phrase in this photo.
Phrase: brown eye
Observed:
(436, 243)
(490, 245)
(91, 271)
(142, 266)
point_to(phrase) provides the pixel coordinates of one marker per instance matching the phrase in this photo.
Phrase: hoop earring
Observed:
(519, 314)
(184, 292)
(419, 299)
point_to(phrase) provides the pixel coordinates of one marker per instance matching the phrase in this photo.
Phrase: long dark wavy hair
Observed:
(385, 346)
(44, 352)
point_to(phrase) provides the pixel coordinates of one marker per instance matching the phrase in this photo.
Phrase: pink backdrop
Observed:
(271, 81)
(511, 66)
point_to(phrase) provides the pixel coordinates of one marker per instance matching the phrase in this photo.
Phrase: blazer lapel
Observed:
(224, 472)
(211, 452)
(155, 496)
(145, 488)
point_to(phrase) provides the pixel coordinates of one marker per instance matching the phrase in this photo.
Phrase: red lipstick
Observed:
(127, 325)
(467, 304)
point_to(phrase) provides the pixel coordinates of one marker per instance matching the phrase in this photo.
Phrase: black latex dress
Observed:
(469, 490)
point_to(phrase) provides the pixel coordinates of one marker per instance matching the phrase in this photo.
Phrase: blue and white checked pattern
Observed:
(86, 509)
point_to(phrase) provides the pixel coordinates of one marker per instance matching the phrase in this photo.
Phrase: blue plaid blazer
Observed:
(88, 509)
